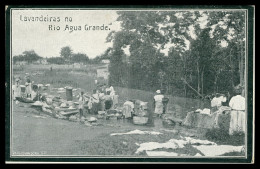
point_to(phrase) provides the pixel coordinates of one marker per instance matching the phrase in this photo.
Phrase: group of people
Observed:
(103, 98)
(30, 92)
(237, 105)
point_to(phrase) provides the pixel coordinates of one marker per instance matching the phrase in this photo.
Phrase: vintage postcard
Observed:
(130, 85)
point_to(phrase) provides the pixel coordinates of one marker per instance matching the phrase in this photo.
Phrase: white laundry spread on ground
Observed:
(217, 150)
(198, 154)
(137, 132)
(197, 141)
(173, 144)
(39, 117)
(161, 153)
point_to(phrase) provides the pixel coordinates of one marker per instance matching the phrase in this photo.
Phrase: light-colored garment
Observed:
(33, 94)
(108, 90)
(81, 102)
(112, 91)
(115, 99)
(90, 103)
(237, 102)
(237, 121)
(158, 104)
(205, 111)
(131, 104)
(111, 88)
(28, 89)
(16, 90)
(158, 97)
(101, 95)
(95, 98)
(128, 109)
(217, 101)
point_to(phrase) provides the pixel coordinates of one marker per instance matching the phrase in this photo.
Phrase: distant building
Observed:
(41, 61)
(105, 61)
(44, 61)
(77, 65)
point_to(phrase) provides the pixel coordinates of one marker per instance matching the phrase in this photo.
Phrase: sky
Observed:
(35, 35)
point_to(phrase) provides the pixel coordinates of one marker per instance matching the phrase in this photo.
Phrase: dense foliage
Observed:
(56, 60)
(205, 51)
(27, 56)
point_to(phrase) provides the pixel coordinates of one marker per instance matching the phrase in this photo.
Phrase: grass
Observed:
(123, 145)
(222, 137)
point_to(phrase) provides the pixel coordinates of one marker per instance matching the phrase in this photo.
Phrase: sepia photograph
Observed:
(147, 84)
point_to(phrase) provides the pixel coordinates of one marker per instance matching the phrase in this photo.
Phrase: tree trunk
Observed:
(198, 71)
(191, 87)
(241, 64)
(202, 81)
(232, 68)
(185, 77)
(215, 82)
(241, 71)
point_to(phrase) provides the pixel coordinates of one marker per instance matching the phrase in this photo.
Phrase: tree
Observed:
(31, 56)
(196, 55)
(230, 27)
(80, 58)
(18, 58)
(66, 52)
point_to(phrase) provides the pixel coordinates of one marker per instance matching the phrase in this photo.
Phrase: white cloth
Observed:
(28, 89)
(131, 104)
(17, 90)
(205, 111)
(34, 94)
(108, 90)
(95, 98)
(81, 102)
(158, 97)
(237, 102)
(158, 104)
(128, 109)
(237, 122)
(90, 104)
(111, 88)
(112, 91)
(217, 101)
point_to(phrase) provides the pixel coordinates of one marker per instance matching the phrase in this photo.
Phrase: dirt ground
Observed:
(37, 133)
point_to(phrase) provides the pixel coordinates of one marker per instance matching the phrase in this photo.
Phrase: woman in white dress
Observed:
(28, 89)
(17, 89)
(158, 110)
(237, 104)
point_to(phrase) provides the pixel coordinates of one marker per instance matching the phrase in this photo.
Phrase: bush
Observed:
(56, 60)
